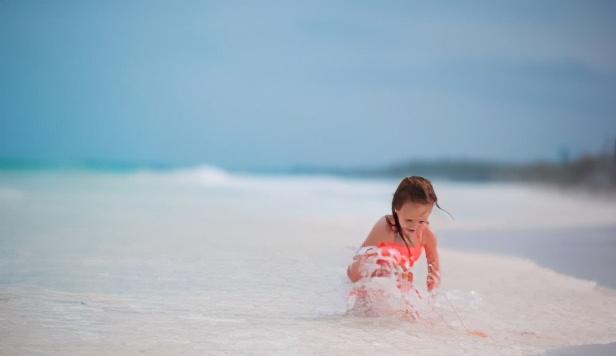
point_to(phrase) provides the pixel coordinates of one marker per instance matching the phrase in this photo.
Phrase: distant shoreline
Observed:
(589, 171)
(595, 173)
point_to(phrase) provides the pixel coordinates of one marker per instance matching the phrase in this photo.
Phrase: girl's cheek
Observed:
(421, 229)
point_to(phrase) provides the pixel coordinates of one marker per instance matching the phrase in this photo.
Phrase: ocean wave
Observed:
(322, 184)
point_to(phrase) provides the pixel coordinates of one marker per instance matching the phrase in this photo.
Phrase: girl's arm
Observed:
(354, 271)
(434, 268)
(377, 234)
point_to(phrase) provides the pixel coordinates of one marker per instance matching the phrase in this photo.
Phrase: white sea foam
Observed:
(473, 205)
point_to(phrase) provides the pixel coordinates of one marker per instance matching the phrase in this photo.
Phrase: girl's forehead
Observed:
(416, 209)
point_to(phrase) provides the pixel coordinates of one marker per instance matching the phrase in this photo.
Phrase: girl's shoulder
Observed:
(381, 232)
(428, 237)
(389, 223)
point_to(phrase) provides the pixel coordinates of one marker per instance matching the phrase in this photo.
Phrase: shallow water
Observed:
(207, 262)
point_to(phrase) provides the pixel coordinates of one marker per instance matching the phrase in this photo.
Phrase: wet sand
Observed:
(584, 350)
(586, 253)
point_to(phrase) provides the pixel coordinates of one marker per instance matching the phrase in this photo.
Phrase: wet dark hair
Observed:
(414, 189)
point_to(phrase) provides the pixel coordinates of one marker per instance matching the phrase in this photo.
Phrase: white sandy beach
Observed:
(205, 262)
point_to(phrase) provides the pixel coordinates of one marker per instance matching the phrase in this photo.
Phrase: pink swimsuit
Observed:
(387, 247)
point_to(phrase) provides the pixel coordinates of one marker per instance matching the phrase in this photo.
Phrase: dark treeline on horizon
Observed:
(596, 170)
(599, 170)
(589, 170)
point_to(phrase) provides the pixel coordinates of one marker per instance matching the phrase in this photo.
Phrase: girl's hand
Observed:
(407, 276)
(381, 272)
(356, 271)
(365, 256)
(385, 269)
(432, 282)
(405, 281)
(361, 258)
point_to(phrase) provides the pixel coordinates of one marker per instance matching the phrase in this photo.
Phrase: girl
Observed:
(403, 234)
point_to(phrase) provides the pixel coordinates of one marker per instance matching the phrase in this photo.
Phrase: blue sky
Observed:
(278, 83)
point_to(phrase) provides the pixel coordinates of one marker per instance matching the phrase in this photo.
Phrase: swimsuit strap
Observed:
(414, 249)
(411, 245)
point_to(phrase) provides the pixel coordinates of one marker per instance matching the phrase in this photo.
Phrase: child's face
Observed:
(414, 217)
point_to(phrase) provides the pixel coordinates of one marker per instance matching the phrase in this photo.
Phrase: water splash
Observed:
(385, 291)
(385, 286)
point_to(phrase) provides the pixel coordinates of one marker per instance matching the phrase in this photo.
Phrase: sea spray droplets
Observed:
(385, 287)
(383, 292)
